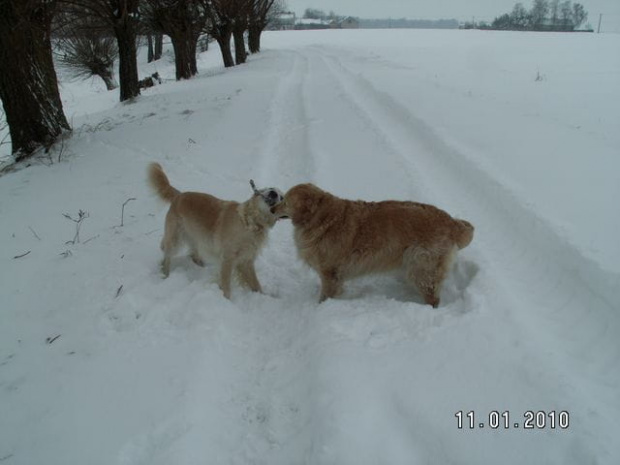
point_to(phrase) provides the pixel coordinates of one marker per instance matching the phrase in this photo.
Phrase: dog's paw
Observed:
(197, 260)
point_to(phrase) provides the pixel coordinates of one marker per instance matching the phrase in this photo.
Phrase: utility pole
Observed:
(600, 18)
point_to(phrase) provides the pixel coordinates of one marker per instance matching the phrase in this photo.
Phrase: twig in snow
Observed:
(51, 340)
(34, 232)
(123, 210)
(118, 291)
(22, 255)
(82, 215)
(66, 254)
(91, 239)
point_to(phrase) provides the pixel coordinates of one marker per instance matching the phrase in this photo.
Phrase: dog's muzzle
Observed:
(272, 197)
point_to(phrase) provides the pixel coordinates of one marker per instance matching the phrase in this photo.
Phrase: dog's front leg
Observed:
(225, 276)
(331, 283)
(247, 273)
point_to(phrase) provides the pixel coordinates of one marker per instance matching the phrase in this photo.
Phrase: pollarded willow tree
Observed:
(121, 17)
(85, 49)
(183, 21)
(220, 22)
(28, 82)
(241, 23)
(259, 18)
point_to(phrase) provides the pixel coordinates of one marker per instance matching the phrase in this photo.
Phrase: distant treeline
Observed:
(408, 24)
(401, 23)
(545, 15)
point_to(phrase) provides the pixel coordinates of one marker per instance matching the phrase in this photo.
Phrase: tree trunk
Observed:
(108, 78)
(224, 42)
(184, 54)
(193, 66)
(128, 63)
(254, 39)
(240, 55)
(150, 53)
(159, 46)
(28, 83)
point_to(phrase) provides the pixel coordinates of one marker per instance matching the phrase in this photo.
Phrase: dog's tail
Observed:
(160, 184)
(464, 233)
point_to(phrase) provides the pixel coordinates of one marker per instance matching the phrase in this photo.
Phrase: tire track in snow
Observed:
(579, 301)
(286, 157)
(488, 200)
(273, 396)
(358, 165)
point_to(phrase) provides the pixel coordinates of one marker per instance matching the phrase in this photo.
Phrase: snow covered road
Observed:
(168, 371)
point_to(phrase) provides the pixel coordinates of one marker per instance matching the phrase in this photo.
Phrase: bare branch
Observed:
(34, 233)
(123, 210)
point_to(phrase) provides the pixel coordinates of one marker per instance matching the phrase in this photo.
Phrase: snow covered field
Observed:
(103, 362)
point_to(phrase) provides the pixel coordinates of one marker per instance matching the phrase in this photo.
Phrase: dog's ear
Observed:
(305, 200)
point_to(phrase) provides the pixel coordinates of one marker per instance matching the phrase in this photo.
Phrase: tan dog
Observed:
(232, 233)
(341, 239)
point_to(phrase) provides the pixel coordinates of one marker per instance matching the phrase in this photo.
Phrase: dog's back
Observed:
(343, 238)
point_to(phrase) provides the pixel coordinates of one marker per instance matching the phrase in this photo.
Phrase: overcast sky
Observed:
(438, 9)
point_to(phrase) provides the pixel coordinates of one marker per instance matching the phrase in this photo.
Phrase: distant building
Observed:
(339, 23)
(308, 23)
(349, 23)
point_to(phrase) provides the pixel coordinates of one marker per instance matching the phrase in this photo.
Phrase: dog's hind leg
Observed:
(331, 283)
(170, 243)
(194, 254)
(426, 269)
(247, 275)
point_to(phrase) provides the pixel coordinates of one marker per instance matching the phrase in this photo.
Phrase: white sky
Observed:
(458, 9)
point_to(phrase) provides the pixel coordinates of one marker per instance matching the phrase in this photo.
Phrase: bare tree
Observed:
(554, 8)
(155, 45)
(579, 15)
(150, 50)
(259, 18)
(566, 14)
(87, 51)
(219, 25)
(28, 82)
(241, 23)
(183, 21)
(313, 13)
(519, 17)
(159, 46)
(538, 14)
(121, 18)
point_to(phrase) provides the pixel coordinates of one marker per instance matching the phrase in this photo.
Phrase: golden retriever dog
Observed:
(230, 232)
(342, 239)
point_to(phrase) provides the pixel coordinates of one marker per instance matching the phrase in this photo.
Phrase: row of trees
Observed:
(105, 29)
(544, 15)
(313, 13)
